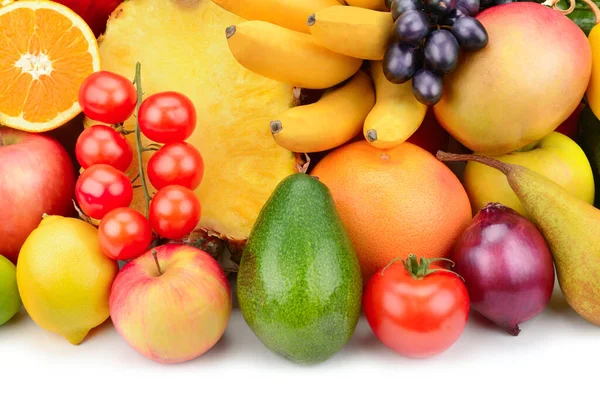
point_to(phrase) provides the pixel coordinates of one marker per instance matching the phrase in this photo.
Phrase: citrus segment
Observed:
(46, 51)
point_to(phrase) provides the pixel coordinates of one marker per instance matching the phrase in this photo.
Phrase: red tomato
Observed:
(101, 144)
(416, 317)
(124, 233)
(102, 188)
(174, 212)
(167, 117)
(176, 164)
(107, 97)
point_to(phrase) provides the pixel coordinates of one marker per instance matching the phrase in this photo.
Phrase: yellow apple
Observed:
(556, 157)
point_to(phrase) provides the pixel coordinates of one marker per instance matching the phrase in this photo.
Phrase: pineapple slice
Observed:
(181, 45)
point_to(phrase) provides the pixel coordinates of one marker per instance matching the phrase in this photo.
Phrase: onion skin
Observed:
(507, 267)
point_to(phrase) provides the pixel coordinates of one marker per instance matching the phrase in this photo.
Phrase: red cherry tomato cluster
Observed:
(104, 191)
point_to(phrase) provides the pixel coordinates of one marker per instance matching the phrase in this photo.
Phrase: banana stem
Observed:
(138, 135)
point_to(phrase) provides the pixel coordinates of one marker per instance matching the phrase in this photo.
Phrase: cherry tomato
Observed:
(124, 233)
(176, 164)
(167, 117)
(102, 188)
(174, 212)
(418, 310)
(101, 144)
(107, 97)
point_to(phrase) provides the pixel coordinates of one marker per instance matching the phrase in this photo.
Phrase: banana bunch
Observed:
(321, 44)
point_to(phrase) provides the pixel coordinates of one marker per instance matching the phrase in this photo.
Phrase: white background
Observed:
(557, 355)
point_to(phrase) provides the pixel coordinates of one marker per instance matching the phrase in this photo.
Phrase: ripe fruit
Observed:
(396, 115)
(176, 164)
(10, 301)
(288, 56)
(330, 122)
(172, 304)
(101, 144)
(502, 111)
(404, 307)
(412, 27)
(107, 97)
(289, 14)
(174, 212)
(102, 188)
(353, 31)
(395, 202)
(427, 87)
(299, 284)
(36, 177)
(441, 52)
(234, 106)
(124, 233)
(64, 278)
(401, 61)
(40, 78)
(167, 117)
(556, 157)
(469, 32)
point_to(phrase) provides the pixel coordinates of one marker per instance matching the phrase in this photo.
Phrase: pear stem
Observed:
(155, 256)
(490, 162)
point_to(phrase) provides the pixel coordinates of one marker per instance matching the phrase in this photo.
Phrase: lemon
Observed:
(64, 278)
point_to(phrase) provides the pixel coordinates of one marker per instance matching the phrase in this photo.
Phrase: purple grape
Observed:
(427, 87)
(441, 7)
(401, 61)
(399, 7)
(412, 27)
(453, 15)
(441, 52)
(471, 6)
(470, 33)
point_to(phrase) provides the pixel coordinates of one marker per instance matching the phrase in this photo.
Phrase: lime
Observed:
(10, 302)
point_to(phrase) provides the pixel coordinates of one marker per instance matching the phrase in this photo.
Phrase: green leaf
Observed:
(582, 15)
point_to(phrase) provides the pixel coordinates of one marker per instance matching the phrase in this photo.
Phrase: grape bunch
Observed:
(427, 40)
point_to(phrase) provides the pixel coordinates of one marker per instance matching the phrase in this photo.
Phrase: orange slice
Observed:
(46, 51)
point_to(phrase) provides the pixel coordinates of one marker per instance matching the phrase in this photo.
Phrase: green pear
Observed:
(570, 226)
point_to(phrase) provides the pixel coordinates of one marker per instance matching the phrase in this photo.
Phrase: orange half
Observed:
(46, 51)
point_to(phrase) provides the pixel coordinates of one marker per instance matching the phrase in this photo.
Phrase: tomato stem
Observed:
(419, 269)
(138, 134)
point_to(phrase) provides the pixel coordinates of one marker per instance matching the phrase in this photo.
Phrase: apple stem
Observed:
(490, 162)
(155, 255)
(138, 134)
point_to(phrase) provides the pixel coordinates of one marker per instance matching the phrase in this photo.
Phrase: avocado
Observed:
(589, 140)
(299, 282)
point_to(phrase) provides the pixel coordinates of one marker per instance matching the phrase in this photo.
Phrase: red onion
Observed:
(506, 265)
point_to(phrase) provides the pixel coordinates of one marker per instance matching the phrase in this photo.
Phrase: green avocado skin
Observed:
(299, 283)
(589, 140)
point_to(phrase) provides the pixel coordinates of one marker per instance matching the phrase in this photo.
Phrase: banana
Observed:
(397, 113)
(352, 31)
(291, 14)
(288, 56)
(330, 122)
(378, 5)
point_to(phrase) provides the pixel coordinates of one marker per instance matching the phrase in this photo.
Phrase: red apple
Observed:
(94, 12)
(36, 177)
(171, 304)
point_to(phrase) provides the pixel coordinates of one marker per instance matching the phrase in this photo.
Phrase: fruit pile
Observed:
(300, 149)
